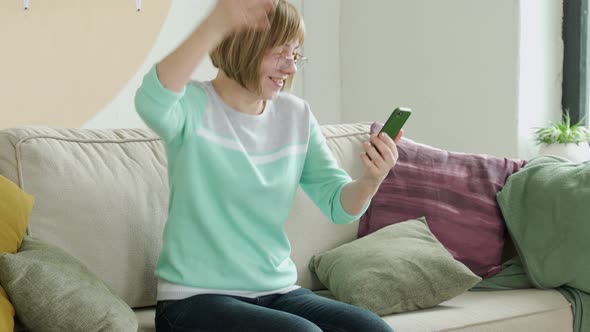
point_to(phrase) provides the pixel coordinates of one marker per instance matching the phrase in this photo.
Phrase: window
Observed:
(575, 60)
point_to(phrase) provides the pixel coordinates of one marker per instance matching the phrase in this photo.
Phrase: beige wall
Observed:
(63, 60)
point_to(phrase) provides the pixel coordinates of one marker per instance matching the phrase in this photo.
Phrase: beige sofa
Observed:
(102, 196)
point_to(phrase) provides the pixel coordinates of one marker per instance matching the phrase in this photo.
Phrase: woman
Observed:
(237, 148)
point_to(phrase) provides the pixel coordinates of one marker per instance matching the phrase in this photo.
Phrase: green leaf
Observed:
(563, 132)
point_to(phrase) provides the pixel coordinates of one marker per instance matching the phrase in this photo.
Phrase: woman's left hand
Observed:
(380, 157)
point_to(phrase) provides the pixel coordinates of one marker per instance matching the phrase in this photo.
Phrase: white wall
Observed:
(455, 62)
(541, 68)
(322, 75)
(479, 74)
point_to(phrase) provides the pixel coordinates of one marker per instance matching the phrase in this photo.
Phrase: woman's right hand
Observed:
(236, 15)
(175, 71)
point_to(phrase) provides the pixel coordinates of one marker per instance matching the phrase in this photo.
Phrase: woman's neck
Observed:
(236, 96)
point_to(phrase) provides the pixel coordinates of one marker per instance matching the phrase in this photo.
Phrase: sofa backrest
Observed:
(102, 195)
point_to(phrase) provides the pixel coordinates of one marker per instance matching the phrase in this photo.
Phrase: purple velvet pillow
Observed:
(456, 192)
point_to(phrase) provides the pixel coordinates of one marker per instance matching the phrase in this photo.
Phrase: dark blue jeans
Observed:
(297, 311)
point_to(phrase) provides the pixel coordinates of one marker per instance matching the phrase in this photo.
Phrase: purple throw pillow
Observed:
(456, 192)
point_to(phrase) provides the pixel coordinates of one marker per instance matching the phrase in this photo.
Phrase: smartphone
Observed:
(396, 121)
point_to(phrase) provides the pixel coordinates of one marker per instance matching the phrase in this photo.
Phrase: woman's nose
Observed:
(290, 67)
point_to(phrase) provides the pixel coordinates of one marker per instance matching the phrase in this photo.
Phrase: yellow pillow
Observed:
(15, 209)
(6, 312)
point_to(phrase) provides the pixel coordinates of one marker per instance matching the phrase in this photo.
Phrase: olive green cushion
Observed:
(53, 291)
(399, 268)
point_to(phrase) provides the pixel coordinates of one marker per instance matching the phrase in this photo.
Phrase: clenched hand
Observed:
(244, 14)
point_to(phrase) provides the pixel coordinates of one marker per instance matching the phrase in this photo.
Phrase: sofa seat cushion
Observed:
(145, 319)
(523, 310)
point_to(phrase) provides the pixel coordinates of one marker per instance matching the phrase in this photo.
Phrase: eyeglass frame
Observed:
(297, 59)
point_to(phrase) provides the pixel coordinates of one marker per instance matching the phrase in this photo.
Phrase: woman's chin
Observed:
(270, 94)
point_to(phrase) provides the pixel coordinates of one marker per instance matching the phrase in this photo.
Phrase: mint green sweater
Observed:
(233, 178)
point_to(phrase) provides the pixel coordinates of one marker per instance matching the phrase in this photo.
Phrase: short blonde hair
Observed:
(240, 54)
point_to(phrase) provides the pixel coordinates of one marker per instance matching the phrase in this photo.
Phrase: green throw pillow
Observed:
(399, 268)
(53, 291)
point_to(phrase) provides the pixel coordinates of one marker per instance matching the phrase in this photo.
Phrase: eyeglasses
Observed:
(284, 62)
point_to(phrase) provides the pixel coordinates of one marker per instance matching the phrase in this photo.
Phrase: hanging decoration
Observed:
(137, 4)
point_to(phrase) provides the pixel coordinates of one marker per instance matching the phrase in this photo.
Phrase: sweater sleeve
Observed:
(160, 108)
(323, 180)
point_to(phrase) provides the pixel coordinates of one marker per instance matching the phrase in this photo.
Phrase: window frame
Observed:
(575, 59)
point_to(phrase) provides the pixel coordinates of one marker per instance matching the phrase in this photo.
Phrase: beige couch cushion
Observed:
(308, 229)
(526, 310)
(101, 195)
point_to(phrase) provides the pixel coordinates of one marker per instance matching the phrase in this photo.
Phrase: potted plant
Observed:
(565, 140)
